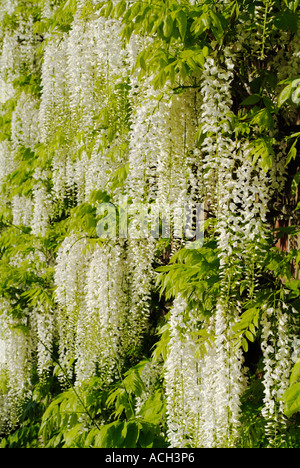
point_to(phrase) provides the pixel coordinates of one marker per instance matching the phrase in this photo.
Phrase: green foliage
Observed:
(94, 415)
(91, 416)
(245, 330)
(261, 149)
(290, 92)
(60, 22)
(24, 285)
(27, 435)
(181, 30)
(194, 274)
(291, 396)
(252, 431)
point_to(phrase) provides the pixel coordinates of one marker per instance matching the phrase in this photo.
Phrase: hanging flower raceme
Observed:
(241, 200)
(86, 124)
(220, 159)
(41, 210)
(162, 140)
(277, 353)
(7, 162)
(103, 325)
(70, 271)
(16, 367)
(96, 74)
(43, 332)
(54, 100)
(183, 380)
(140, 257)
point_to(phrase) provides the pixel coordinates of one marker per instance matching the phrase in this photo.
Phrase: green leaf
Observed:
(134, 11)
(146, 435)
(110, 435)
(71, 435)
(295, 376)
(160, 79)
(250, 336)
(251, 100)
(183, 70)
(168, 26)
(153, 409)
(216, 25)
(286, 21)
(262, 149)
(119, 434)
(181, 20)
(263, 119)
(201, 24)
(133, 382)
(245, 345)
(119, 177)
(130, 434)
(285, 94)
(120, 8)
(286, 82)
(291, 399)
(109, 8)
(292, 153)
(296, 91)
(171, 72)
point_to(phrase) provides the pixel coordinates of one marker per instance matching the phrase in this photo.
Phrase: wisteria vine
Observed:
(91, 123)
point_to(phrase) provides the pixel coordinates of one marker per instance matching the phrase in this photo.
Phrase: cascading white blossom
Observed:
(96, 64)
(54, 111)
(81, 72)
(220, 157)
(277, 352)
(54, 100)
(16, 365)
(207, 395)
(160, 152)
(42, 207)
(248, 205)
(223, 363)
(162, 142)
(40, 217)
(21, 210)
(18, 333)
(102, 321)
(183, 380)
(140, 256)
(43, 331)
(7, 160)
(230, 381)
(104, 290)
(23, 125)
(103, 305)
(9, 59)
(217, 149)
(149, 123)
(268, 347)
(7, 66)
(70, 271)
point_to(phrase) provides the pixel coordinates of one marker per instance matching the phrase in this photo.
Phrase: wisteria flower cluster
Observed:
(85, 120)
